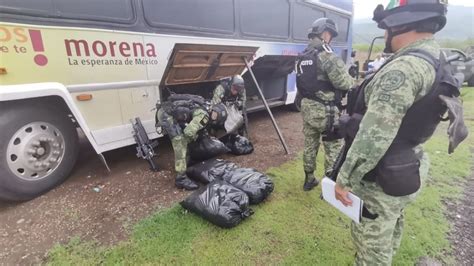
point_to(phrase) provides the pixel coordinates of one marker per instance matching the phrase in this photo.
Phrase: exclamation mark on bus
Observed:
(37, 42)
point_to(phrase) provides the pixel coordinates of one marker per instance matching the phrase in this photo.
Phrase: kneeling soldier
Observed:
(183, 117)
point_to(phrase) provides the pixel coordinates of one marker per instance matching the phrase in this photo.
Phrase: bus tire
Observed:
(38, 149)
(296, 106)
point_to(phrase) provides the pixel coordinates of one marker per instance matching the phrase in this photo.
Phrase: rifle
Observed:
(341, 157)
(144, 145)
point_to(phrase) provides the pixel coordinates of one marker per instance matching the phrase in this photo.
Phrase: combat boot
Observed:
(309, 181)
(183, 181)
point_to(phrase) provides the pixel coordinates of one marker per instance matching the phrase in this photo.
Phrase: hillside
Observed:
(460, 26)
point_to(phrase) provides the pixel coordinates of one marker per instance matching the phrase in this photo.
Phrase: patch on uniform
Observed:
(204, 121)
(384, 97)
(392, 80)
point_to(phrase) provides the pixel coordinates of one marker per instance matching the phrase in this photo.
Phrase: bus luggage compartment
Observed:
(271, 72)
(199, 68)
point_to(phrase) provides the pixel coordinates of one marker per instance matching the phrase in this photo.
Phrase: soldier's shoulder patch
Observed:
(392, 80)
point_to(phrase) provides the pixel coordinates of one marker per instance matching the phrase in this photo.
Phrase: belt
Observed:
(315, 98)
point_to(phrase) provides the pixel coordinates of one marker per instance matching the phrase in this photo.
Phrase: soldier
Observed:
(398, 108)
(230, 92)
(321, 79)
(183, 117)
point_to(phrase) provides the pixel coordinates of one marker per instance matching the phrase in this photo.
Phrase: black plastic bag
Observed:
(205, 172)
(256, 185)
(238, 145)
(206, 147)
(219, 203)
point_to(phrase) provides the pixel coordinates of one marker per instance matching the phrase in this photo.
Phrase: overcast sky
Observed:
(365, 8)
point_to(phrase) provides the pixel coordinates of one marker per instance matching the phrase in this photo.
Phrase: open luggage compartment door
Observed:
(197, 63)
(271, 71)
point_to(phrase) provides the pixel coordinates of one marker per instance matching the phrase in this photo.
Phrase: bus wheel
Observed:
(38, 149)
(296, 106)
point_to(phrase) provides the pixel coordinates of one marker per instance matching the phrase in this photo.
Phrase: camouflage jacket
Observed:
(331, 68)
(198, 123)
(220, 95)
(389, 95)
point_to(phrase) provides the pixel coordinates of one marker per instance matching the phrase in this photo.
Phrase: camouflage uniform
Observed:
(220, 96)
(180, 142)
(330, 68)
(389, 95)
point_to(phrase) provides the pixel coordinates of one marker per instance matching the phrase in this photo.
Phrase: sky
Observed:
(365, 8)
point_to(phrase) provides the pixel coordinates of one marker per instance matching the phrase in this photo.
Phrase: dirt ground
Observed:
(95, 205)
(462, 233)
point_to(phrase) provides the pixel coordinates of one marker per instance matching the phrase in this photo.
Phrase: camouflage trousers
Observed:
(179, 142)
(314, 124)
(180, 148)
(377, 240)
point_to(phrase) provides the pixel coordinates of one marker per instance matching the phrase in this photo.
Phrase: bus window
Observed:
(32, 7)
(195, 15)
(342, 25)
(303, 17)
(119, 11)
(265, 18)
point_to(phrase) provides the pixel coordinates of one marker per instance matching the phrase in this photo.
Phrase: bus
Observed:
(69, 66)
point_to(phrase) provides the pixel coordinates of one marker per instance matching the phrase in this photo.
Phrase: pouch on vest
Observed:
(398, 173)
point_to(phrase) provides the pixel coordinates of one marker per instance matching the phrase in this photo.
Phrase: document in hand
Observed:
(354, 212)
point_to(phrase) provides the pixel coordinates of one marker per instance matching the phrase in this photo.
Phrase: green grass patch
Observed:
(291, 227)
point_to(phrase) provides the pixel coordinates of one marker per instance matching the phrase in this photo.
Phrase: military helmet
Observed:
(238, 82)
(218, 114)
(322, 24)
(406, 12)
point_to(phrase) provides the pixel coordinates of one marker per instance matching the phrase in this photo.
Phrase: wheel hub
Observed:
(35, 151)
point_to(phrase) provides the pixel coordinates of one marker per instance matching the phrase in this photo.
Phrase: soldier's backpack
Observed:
(181, 106)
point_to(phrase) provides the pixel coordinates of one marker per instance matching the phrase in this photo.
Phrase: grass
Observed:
(291, 227)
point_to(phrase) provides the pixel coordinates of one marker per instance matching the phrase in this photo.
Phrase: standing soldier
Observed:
(321, 79)
(397, 109)
(183, 117)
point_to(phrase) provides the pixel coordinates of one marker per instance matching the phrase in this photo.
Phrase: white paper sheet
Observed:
(354, 212)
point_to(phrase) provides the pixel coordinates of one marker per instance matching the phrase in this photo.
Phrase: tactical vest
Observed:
(228, 97)
(182, 106)
(306, 75)
(398, 170)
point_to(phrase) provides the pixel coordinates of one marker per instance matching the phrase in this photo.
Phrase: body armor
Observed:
(306, 75)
